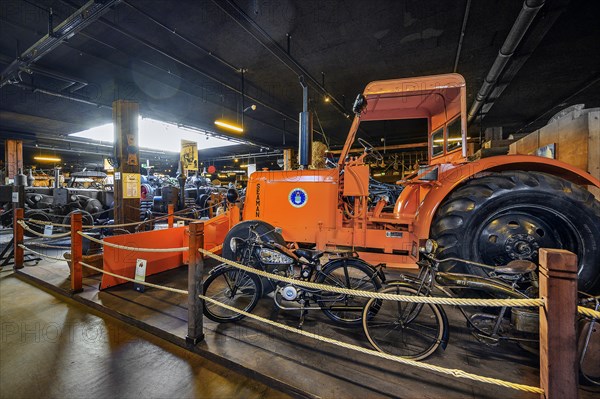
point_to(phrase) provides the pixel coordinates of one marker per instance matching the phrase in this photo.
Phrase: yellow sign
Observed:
(189, 155)
(131, 185)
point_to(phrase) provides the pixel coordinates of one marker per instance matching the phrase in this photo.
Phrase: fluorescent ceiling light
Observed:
(157, 135)
(47, 159)
(228, 125)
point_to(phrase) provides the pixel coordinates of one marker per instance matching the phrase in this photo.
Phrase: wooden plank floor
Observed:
(295, 364)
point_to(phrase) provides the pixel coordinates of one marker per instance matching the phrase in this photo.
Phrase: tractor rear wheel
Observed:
(511, 215)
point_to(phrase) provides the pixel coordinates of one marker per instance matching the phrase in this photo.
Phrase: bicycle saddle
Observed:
(516, 267)
(309, 254)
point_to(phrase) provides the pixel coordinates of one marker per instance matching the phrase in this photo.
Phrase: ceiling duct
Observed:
(77, 21)
(516, 34)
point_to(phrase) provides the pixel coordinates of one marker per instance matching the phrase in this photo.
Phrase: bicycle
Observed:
(243, 289)
(417, 330)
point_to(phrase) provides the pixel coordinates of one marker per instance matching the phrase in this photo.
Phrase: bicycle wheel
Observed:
(588, 345)
(410, 330)
(232, 287)
(348, 273)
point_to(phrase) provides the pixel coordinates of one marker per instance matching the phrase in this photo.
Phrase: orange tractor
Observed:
(492, 210)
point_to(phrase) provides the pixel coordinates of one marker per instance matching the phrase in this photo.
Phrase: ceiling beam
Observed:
(146, 43)
(77, 21)
(257, 32)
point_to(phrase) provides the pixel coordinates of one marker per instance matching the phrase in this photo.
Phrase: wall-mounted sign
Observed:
(189, 155)
(131, 185)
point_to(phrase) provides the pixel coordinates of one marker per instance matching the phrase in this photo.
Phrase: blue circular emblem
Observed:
(298, 197)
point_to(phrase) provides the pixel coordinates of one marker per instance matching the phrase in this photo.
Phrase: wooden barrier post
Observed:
(18, 233)
(195, 270)
(76, 253)
(170, 216)
(558, 342)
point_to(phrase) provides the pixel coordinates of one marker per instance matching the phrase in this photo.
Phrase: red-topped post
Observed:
(76, 253)
(195, 270)
(18, 235)
(170, 216)
(558, 342)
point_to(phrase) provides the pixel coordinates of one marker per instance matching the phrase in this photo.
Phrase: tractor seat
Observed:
(309, 254)
(516, 267)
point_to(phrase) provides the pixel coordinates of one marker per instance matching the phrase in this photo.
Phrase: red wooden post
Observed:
(76, 253)
(170, 210)
(195, 270)
(558, 342)
(18, 238)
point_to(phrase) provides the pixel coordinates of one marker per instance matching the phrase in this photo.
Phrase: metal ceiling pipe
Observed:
(146, 43)
(512, 41)
(185, 39)
(462, 35)
(79, 20)
(256, 31)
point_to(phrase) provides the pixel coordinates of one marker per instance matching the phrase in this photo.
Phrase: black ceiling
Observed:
(190, 76)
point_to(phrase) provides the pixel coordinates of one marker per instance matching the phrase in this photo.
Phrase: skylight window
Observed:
(157, 135)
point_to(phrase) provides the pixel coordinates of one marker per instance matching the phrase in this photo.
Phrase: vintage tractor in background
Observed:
(493, 210)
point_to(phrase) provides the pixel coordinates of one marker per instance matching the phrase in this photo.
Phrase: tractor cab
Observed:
(439, 99)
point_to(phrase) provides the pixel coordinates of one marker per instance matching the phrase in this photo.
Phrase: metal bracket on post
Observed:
(195, 270)
(18, 233)
(558, 339)
(76, 253)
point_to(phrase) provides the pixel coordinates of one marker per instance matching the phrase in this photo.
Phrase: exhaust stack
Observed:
(305, 130)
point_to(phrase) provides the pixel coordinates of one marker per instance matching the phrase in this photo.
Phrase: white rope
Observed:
(41, 254)
(25, 227)
(109, 244)
(42, 245)
(531, 302)
(89, 227)
(442, 370)
(160, 287)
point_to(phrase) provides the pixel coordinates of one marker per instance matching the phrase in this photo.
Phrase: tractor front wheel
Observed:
(511, 215)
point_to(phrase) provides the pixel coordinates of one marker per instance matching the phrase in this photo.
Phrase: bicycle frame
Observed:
(430, 279)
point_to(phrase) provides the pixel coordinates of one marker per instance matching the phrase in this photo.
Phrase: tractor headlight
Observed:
(233, 244)
(431, 246)
(272, 257)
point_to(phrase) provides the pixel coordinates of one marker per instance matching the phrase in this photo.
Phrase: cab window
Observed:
(437, 142)
(454, 135)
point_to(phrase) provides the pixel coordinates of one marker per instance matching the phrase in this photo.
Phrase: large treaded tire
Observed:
(510, 215)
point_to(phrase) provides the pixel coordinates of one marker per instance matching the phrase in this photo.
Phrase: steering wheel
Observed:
(369, 149)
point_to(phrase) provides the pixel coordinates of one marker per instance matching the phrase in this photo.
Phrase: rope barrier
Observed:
(160, 287)
(90, 226)
(41, 254)
(442, 370)
(109, 244)
(216, 249)
(588, 312)
(531, 302)
(25, 227)
(39, 244)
